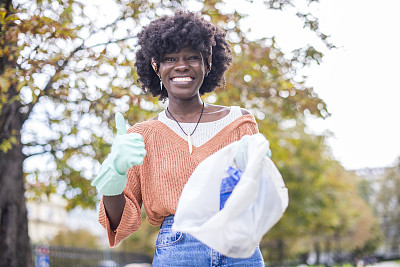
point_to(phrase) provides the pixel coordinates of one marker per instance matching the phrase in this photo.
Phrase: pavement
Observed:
(386, 264)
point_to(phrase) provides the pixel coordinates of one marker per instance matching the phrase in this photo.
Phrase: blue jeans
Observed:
(180, 249)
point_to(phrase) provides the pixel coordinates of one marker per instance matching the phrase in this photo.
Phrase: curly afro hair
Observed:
(170, 34)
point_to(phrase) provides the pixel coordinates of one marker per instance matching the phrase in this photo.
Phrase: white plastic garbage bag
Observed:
(255, 205)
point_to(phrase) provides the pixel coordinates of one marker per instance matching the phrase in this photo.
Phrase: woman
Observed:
(180, 58)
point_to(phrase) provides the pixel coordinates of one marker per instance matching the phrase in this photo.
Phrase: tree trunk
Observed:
(15, 247)
(317, 249)
(281, 253)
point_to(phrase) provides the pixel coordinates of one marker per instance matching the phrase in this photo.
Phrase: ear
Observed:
(154, 65)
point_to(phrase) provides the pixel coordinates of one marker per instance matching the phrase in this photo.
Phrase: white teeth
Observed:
(181, 79)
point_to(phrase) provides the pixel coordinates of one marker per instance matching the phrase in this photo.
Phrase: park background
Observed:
(319, 76)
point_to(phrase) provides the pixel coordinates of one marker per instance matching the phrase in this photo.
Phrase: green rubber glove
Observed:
(127, 151)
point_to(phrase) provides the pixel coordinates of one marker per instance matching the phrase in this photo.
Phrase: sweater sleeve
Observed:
(131, 216)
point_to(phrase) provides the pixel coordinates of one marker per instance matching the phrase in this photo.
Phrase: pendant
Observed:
(189, 143)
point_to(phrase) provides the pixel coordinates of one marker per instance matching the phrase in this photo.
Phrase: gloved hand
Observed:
(127, 150)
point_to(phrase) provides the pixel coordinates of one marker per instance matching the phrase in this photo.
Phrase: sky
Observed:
(359, 80)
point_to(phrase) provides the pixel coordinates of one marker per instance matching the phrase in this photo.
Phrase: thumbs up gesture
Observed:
(127, 151)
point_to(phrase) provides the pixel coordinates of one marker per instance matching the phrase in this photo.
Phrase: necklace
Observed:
(189, 139)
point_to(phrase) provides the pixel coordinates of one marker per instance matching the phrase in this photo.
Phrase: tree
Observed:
(64, 73)
(326, 213)
(388, 201)
(143, 241)
(80, 238)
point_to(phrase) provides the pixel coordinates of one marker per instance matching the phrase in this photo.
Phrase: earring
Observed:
(209, 68)
(161, 85)
(154, 65)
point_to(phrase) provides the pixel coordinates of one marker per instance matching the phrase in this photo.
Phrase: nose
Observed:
(181, 65)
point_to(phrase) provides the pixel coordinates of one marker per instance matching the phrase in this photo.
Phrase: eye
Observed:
(168, 59)
(193, 58)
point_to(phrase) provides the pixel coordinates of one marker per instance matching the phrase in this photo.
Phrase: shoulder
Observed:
(224, 109)
(211, 108)
(244, 111)
(216, 112)
(246, 122)
(243, 125)
(145, 128)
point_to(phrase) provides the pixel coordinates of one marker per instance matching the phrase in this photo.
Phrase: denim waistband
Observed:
(169, 220)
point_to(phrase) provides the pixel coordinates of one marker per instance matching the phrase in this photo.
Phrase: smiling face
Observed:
(182, 73)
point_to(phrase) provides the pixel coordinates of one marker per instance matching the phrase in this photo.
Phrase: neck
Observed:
(185, 111)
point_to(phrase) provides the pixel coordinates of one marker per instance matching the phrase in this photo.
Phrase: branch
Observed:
(34, 144)
(122, 16)
(10, 117)
(36, 154)
(109, 42)
(7, 4)
(51, 80)
(106, 26)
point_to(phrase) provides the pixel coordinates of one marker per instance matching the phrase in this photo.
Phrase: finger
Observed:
(130, 140)
(120, 123)
(136, 137)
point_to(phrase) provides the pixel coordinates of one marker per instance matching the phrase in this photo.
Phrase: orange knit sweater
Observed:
(159, 181)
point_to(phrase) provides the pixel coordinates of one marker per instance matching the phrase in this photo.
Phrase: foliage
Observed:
(325, 207)
(142, 241)
(80, 238)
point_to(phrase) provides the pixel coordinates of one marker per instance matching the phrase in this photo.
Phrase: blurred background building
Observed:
(47, 217)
